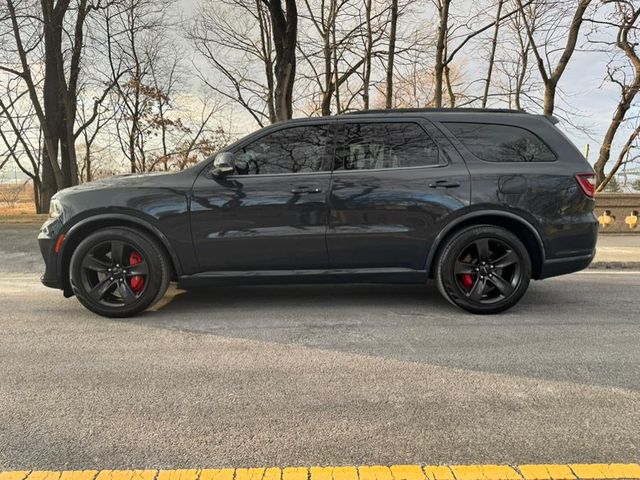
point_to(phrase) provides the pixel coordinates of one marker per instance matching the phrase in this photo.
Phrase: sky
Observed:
(582, 86)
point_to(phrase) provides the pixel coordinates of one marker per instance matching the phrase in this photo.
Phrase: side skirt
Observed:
(261, 277)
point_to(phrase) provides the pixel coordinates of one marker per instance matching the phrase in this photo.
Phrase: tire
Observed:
(119, 272)
(483, 288)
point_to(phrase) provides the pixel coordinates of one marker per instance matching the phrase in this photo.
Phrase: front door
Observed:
(271, 214)
(395, 184)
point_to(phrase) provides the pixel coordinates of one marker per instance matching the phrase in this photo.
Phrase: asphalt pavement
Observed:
(316, 375)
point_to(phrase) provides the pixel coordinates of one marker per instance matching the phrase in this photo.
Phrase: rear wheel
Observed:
(483, 269)
(119, 272)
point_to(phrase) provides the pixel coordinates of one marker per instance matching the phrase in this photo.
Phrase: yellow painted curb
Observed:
(574, 471)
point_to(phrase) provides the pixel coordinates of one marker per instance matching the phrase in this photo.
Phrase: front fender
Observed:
(82, 225)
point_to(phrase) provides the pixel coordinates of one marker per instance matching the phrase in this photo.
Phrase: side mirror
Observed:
(223, 164)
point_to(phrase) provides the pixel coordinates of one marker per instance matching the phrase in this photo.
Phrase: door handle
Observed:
(306, 189)
(444, 184)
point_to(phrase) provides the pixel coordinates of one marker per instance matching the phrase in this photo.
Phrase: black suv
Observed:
(480, 200)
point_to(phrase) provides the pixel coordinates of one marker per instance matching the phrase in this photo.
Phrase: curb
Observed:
(614, 266)
(594, 471)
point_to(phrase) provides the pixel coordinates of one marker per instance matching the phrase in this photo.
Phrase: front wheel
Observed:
(118, 272)
(483, 269)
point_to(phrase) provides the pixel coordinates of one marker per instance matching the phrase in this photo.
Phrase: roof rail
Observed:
(435, 110)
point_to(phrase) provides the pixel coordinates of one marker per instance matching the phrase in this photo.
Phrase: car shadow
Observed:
(299, 297)
(538, 338)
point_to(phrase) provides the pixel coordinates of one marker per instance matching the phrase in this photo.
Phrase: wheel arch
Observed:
(84, 227)
(519, 226)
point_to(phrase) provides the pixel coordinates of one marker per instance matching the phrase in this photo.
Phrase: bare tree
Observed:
(89, 136)
(625, 19)
(137, 43)
(45, 49)
(21, 136)
(514, 61)
(234, 38)
(550, 73)
(449, 43)
(262, 30)
(202, 139)
(340, 51)
(326, 46)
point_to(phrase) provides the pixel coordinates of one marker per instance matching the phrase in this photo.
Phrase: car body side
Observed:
(540, 201)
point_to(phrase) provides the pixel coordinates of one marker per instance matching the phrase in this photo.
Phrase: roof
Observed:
(436, 110)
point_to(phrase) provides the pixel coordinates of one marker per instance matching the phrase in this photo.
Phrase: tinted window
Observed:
(385, 145)
(291, 150)
(501, 143)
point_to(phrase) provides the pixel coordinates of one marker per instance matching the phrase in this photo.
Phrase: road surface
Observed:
(316, 375)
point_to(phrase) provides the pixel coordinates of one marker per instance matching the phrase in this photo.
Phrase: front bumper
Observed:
(46, 241)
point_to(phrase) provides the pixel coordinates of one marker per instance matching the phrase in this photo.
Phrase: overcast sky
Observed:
(581, 83)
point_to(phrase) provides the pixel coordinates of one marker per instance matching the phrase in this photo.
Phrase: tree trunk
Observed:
(48, 187)
(132, 146)
(58, 100)
(521, 77)
(366, 77)
(440, 48)
(53, 89)
(492, 56)
(549, 97)
(327, 53)
(36, 194)
(87, 163)
(335, 71)
(285, 36)
(450, 93)
(265, 47)
(392, 54)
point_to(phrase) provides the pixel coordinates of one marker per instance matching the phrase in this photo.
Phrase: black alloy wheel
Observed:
(488, 270)
(114, 273)
(119, 272)
(483, 269)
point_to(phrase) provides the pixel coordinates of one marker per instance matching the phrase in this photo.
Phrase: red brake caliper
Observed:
(137, 281)
(467, 280)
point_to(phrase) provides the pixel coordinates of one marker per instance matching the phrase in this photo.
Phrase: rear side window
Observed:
(501, 143)
(368, 146)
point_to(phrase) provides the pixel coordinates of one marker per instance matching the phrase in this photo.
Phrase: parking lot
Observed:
(316, 375)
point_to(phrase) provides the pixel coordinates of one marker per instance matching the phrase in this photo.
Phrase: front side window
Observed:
(290, 150)
(501, 143)
(385, 145)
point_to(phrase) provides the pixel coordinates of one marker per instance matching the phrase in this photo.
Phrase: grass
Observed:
(16, 204)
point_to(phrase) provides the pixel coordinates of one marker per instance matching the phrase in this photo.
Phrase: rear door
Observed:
(394, 185)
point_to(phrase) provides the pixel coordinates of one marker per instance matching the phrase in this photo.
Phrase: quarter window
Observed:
(501, 143)
(385, 145)
(290, 150)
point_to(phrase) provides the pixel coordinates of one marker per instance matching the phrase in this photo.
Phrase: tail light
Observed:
(587, 182)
